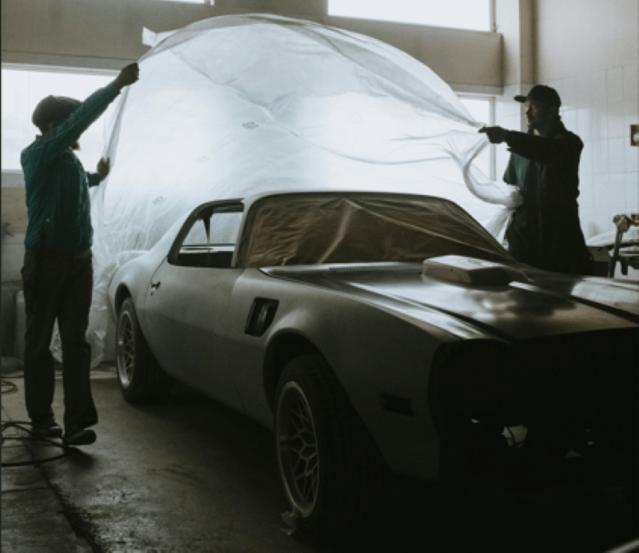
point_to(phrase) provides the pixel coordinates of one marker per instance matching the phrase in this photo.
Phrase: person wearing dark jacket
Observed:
(544, 231)
(57, 274)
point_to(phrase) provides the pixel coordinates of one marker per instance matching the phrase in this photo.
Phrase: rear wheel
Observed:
(140, 376)
(333, 474)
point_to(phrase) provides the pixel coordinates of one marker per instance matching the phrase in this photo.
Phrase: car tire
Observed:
(342, 491)
(141, 378)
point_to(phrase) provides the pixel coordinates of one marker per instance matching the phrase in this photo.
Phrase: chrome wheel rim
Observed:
(297, 449)
(126, 349)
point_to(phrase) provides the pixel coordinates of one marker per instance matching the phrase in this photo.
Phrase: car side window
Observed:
(210, 242)
(197, 234)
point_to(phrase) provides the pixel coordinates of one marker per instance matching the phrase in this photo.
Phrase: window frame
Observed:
(58, 69)
(492, 20)
(198, 214)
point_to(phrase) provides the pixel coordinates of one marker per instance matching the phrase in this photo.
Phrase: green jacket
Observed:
(57, 187)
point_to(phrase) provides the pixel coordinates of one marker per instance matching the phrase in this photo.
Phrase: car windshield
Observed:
(296, 229)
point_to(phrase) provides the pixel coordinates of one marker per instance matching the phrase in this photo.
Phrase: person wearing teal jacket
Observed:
(57, 274)
(544, 230)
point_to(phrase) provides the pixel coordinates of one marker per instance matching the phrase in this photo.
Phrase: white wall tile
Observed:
(599, 122)
(586, 218)
(584, 123)
(584, 93)
(569, 117)
(616, 151)
(589, 224)
(631, 158)
(568, 92)
(601, 185)
(632, 192)
(616, 120)
(585, 163)
(556, 84)
(614, 84)
(586, 192)
(598, 88)
(631, 84)
(629, 10)
(617, 192)
(631, 109)
(600, 164)
(626, 48)
(603, 221)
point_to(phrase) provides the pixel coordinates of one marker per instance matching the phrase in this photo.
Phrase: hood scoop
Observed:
(469, 270)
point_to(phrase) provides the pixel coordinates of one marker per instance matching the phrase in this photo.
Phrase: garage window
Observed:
(22, 89)
(458, 14)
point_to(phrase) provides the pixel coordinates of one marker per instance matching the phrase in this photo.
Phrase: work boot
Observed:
(79, 436)
(49, 429)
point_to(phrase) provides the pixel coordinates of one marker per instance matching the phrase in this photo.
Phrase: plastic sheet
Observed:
(240, 104)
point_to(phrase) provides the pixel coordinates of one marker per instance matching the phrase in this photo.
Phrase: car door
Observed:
(187, 303)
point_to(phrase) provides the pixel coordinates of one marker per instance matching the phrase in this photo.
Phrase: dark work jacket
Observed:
(544, 231)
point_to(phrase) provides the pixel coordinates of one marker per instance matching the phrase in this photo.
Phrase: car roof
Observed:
(253, 198)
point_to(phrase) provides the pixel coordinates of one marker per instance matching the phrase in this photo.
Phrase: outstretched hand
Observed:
(128, 75)
(496, 135)
(104, 167)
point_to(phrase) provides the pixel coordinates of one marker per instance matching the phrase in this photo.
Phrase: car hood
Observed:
(512, 306)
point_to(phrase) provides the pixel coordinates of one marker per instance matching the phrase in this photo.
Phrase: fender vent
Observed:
(260, 316)
(396, 404)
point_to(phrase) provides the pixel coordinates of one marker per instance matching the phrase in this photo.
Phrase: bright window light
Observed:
(21, 92)
(460, 14)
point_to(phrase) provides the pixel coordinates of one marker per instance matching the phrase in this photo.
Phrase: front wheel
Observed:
(333, 474)
(141, 378)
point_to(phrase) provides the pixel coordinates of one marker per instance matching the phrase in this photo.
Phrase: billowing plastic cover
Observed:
(241, 104)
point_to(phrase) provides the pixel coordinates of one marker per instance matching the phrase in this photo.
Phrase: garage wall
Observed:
(587, 50)
(515, 22)
(107, 33)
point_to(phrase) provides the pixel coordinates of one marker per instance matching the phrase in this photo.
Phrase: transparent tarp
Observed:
(242, 104)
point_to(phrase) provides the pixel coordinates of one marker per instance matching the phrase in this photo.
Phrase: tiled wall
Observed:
(589, 51)
(600, 107)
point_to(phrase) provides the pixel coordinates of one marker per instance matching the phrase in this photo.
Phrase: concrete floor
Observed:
(193, 476)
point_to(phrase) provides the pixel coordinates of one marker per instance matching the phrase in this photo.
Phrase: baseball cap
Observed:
(541, 93)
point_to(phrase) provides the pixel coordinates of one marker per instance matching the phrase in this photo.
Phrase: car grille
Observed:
(572, 393)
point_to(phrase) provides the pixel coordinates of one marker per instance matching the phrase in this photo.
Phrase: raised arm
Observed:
(64, 134)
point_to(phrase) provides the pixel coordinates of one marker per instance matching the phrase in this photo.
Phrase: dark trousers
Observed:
(58, 286)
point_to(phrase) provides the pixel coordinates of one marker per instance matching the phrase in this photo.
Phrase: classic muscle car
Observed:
(382, 334)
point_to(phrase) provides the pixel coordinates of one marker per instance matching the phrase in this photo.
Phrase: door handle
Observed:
(155, 285)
